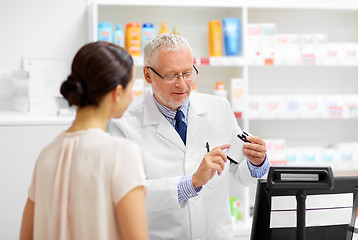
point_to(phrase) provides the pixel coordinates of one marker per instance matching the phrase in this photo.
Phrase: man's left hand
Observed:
(255, 151)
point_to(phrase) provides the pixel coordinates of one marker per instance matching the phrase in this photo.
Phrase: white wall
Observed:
(20, 146)
(36, 28)
(41, 28)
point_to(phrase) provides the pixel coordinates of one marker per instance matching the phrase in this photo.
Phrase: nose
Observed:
(178, 79)
(180, 76)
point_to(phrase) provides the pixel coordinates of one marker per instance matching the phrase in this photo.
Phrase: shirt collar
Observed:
(170, 113)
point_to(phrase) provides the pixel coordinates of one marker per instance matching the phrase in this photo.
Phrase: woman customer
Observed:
(86, 184)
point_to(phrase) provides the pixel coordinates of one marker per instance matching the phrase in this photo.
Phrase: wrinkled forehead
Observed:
(181, 59)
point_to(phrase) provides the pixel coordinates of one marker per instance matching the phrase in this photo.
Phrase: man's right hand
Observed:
(214, 161)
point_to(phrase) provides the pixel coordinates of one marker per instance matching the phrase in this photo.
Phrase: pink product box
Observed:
(311, 106)
(272, 106)
(340, 54)
(275, 144)
(254, 107)
(349, 54)
(275, 151)
(333, 54)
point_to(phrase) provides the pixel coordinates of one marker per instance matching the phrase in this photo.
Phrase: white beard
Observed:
(168, 102)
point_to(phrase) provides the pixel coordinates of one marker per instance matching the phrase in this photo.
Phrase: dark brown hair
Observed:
(97, 68)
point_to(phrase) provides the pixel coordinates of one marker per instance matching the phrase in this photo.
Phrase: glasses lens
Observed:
(189, 75)
(186, 76)
(171, 77)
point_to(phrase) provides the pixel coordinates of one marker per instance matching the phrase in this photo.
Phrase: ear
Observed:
(146, 73)
(117, 92)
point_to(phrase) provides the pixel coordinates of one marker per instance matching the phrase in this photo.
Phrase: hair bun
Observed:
(72, 78)
(72, 90)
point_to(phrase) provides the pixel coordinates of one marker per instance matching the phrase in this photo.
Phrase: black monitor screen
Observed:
(330, 214)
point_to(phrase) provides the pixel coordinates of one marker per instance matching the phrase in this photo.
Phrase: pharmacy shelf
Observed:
(207, 61)
(338, 20)
(329, 73)
(170, 11)
(303, 4)
(183, 3)
(241, 62)
(13, 118)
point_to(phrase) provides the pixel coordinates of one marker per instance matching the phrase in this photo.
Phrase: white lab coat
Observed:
(166, 159)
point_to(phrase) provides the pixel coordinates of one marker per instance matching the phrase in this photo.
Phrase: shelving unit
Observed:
(338, 20)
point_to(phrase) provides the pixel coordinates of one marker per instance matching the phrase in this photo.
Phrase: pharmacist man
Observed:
(188, 187)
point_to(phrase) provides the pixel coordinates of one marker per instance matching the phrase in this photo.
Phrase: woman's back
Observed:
(78, 180)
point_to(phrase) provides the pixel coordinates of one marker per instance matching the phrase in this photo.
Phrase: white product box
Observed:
(293, 156)
(311, 156)
(138, 90)
(287, 49)
(268, 32)
(294, 49)
(349, 155)
(281, 49)
(253, 45)
(308, 49)
(138, 87)
(329, 157)
(320, 41)
(238, 95)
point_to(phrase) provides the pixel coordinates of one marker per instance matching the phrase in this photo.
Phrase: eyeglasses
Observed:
(171, 78)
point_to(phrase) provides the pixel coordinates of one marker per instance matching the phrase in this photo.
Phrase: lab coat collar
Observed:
(197, 111)
(197, 104)
(152, 116)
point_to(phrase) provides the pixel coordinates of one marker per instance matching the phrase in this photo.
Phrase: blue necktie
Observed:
(180, 125)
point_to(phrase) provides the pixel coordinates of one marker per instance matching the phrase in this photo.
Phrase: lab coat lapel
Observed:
(197, 112)
(168, 131)
(152, 116)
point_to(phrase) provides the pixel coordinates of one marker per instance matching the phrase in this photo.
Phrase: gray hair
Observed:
(166, 41)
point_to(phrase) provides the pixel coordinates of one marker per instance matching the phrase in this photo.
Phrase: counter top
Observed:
(13, 118)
